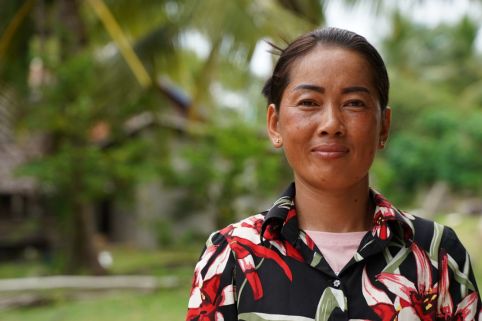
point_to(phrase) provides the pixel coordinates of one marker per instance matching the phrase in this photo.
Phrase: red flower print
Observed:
(291, 214)
(380, 201)
(287, 249)
(377, 299)
(466, 309)
(385, 212)
(308, 241)
(208, 309)
(244, 239)
(414, 302)
(205, 300)
(380, 226)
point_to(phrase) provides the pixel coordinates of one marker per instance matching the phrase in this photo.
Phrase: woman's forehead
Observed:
(330, 56)
(331, 64)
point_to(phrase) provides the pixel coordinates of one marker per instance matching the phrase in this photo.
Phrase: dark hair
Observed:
(276, 84)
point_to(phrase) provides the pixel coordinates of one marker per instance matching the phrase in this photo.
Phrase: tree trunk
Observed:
(75, 37)
(83, 253)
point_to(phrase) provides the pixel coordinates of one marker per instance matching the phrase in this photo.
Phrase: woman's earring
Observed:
(277, 140)
(382, 143)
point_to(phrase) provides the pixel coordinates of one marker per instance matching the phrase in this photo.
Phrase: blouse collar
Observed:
(387, 220)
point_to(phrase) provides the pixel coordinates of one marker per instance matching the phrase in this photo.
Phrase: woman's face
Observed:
(329, 122)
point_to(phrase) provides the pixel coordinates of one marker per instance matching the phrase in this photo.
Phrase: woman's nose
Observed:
(331, 122)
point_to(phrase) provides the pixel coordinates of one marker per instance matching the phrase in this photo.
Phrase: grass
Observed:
(165, 305)
(23, 269)
(162, 305)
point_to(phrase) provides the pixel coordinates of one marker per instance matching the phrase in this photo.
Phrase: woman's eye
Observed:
(355, 103)
(308, 103)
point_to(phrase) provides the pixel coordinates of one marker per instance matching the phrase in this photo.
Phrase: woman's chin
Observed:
(335, 181)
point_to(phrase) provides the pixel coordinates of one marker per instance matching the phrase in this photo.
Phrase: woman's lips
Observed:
(330, 151)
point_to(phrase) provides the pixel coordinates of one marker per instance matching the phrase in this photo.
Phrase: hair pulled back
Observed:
(301, 46)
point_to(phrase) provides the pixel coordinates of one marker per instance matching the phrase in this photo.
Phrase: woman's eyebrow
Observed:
(309, 87)
(353, 89)
(320, 89)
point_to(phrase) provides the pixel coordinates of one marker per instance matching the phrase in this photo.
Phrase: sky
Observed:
(362, 20)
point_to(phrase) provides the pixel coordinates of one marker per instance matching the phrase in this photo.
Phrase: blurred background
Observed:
(131, 129)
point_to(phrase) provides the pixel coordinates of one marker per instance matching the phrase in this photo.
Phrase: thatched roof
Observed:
(11, 157)
(14, 153)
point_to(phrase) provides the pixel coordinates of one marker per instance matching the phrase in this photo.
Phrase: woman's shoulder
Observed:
(248, 229)
(434, 236)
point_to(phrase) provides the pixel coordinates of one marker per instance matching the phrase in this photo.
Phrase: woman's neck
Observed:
(347, 210)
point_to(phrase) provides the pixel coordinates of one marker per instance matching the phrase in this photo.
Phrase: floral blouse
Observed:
(266, 268)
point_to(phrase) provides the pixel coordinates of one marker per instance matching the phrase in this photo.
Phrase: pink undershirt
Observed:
(337, 248)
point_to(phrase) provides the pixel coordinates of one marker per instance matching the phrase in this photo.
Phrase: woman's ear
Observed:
(385, 128)
(272, 118)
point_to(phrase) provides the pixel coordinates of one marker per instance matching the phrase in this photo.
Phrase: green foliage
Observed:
(437, 119)
(229, 161)
(80, 165)
(441, 145)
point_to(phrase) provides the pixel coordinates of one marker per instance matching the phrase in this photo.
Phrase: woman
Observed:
(331, 248)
